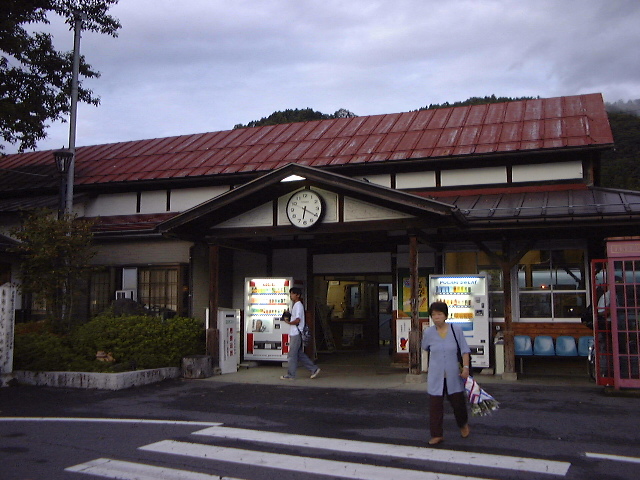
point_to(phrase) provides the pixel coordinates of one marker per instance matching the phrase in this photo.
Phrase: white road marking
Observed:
(105, 467)
(618, 458)
(396, 451)
(354, 471)
(108, 420)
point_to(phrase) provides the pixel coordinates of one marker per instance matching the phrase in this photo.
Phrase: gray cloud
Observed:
(205, 65)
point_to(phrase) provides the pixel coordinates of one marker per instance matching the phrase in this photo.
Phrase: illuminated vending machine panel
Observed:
(266, 336)
(467, 300)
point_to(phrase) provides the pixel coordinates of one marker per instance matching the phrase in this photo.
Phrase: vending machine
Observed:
(266, 336)
(467, 299)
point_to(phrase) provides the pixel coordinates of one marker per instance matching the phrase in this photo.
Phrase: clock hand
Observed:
(304, 211)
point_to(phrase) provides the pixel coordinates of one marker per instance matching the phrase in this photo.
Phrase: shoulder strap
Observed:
(457, 344)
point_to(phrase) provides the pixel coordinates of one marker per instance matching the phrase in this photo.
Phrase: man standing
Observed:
(296, 351)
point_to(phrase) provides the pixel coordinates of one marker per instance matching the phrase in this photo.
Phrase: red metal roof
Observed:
(528, 125)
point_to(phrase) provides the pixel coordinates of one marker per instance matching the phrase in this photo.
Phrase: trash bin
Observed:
(197, 366)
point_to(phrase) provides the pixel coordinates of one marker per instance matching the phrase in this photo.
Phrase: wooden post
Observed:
(509, 346)
(415, 335)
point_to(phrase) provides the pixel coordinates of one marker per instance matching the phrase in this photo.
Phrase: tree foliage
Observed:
(55, 254)
(297, 115)
(475, 101)
(621, 167)
(35, 78)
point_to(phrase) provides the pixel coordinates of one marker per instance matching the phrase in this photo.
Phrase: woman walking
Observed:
(445, 378)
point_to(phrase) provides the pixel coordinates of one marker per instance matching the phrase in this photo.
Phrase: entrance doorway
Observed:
(353, 315)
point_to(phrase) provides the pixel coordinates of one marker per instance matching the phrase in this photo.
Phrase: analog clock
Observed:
(305, 209)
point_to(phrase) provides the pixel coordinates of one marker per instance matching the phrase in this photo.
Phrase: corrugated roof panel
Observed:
(476, 115)
(509, 146)
(421, 120)
(441, 152)
(400, 155)
(437, 119)
(449, 137)
(334, 147)
(486, 148)
(514, 112)
(573, 107)
(553, 108)
(224, 141)
(390, 142)
(495, 113)
(409, 140)
(403, 121)
(287, 133)
(340, 160)
(267, 151)
(553, 128)
(532, 145)
(574, 127)
(469, 135)
(463, 150)
(320, 129)
(281, 153)
(510, 133)
(352, 126)
(298, 151)
(352, 146)
(370, 144)
(490, 134)
(251, 153)
(303, 132)
(553, 143)
(386, 124)
(534, 109)
(317, 147)
(336, 129)
(369, 126)
(532, 130)
(320, 161)
(264, 135)
(599, 129)
(241, 138)
(458, 117)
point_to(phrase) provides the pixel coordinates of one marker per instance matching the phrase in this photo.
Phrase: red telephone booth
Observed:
(616, 308)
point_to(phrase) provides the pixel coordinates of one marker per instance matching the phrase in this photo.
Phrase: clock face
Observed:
(304, 209)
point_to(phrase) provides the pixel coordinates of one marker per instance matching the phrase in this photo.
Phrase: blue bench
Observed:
(565, 346)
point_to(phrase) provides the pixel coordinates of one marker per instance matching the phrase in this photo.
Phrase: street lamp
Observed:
(63, 158)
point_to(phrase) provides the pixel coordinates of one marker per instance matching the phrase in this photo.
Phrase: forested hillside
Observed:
(620, 168)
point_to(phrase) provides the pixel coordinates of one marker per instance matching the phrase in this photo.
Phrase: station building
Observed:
(505, 189)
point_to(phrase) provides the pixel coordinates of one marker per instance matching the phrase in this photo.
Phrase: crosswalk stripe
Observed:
(354, 471)
(108, 420)
(105, 467)
(619, 458)
(396, 451)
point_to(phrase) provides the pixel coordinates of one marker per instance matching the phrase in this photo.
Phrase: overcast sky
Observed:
(193, 66)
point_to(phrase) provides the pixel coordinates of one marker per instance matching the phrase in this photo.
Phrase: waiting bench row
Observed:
(544, 346)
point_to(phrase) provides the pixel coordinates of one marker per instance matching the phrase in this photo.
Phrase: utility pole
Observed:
(77, 28)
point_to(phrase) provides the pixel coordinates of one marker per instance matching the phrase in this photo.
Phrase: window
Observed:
(101, 292)
(162, 289)
(552, 285)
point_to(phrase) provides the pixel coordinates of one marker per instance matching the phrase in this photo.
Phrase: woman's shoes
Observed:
(465, 431)
(436, 440)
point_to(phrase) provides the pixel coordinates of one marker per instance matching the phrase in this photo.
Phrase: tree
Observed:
(55, 254)
(35, 78)
(297, 115)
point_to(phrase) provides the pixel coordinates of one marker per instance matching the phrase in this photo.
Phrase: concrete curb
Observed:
(103, 381)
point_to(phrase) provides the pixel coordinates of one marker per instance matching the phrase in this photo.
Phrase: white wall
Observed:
(548, 171)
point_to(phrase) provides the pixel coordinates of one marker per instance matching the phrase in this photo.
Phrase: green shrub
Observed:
(135, 342)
